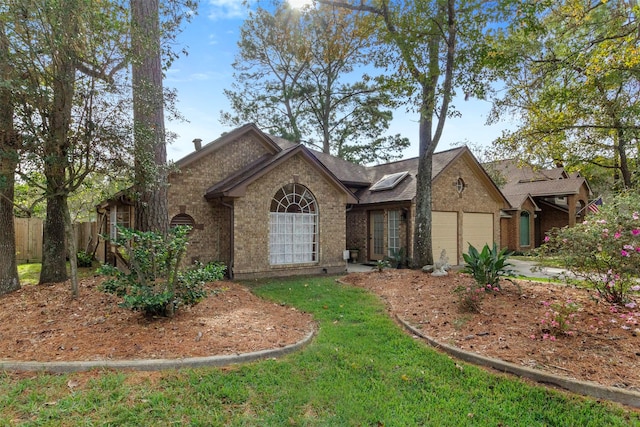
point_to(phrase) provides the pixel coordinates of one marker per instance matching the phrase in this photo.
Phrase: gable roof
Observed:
(524, 181)
(236, 184)
(406, 189)
(341, 173)
(228, 137)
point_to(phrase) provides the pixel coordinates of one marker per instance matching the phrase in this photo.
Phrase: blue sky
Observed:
(200, 78)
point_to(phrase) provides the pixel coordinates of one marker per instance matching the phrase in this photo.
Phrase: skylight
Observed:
(389, 182)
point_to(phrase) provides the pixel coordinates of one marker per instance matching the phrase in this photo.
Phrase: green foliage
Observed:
(570, 78)
(191, 282)
(604, 250)
(294, 75)
(117, 284)
(381, 264)
(487, 266)
(85, 259)
(397, 258)
(154, 284)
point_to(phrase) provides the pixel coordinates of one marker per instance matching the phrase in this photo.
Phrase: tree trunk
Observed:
(56, 163)
(54, 250)
(151, 212)
(422, 243)
(9, 280)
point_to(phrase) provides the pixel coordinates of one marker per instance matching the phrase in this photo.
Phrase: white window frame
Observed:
(393, 231)
(115, 220)
(293, 231)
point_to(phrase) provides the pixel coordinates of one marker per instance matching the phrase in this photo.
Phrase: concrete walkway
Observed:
(519, 267)
(530, 269)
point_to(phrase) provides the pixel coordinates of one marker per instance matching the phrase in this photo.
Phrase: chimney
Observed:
(198, 143)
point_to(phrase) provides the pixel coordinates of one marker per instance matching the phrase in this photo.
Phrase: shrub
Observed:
(397, 258)
(190, 289)
(471, 296)
(558, 319)
(487, 266)
(85, 259)
(604, 250)
(154, 284)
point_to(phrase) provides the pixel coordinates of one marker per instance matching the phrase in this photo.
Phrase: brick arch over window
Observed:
(182, 219)
(293, 220)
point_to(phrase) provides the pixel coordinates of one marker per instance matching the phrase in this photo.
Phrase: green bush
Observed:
(397, 258)
(154, 283)
(487, 266)
(85, 259)
(190, 289)
(604, 250)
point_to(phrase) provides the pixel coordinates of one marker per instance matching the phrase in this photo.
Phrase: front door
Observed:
(376, 235)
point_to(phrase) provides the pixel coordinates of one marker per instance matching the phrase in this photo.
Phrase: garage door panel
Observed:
(477, 230)
(444, 235)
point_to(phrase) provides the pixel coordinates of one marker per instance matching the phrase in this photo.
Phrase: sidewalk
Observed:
(520, 268)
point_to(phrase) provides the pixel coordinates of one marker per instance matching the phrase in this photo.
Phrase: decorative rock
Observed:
(428, 268)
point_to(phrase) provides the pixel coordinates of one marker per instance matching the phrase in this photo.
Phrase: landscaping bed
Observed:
(604, 345)
(43, 323)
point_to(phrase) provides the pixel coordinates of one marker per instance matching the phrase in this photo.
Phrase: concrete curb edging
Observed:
(156, 364)
(584, 388)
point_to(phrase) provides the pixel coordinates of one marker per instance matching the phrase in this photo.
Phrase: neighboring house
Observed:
(540, 199)
(269, 207)
(466, 207)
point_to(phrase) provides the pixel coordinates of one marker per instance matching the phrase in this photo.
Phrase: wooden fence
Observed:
(29, 238)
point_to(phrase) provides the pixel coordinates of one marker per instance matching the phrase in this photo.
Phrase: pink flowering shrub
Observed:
(604, 250)
(472, 295)
(559, 319)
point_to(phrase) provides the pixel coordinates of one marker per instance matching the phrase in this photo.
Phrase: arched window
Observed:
(524, 229)
(293, 234)
(182, 219)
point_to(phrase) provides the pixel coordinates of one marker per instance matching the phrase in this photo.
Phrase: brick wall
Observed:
(475, 198)
(244, 222)
(211, 238)
(251, 228)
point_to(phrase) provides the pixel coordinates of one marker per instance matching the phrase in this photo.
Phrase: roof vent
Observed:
(197, 143)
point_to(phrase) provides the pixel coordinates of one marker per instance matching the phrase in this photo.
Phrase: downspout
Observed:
(231, 234)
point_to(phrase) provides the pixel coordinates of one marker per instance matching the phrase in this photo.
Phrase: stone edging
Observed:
(585, 388)
(156, 364)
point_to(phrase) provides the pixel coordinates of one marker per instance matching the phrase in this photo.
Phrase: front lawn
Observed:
(30, 273)
(360, 370)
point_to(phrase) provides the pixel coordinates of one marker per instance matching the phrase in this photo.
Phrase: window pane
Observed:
(524, 229)
(393, 231)
(293, 227)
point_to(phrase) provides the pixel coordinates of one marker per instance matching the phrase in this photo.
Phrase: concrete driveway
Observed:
(520, 268)
(524, 268)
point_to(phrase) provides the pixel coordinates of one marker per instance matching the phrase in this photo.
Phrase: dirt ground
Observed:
(44, 323)
(604, 347)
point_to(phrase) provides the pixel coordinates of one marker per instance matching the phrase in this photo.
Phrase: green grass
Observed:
(360, 370)
(30, 273)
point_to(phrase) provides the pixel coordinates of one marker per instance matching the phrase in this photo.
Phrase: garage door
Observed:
(444, 235)
(477, 229)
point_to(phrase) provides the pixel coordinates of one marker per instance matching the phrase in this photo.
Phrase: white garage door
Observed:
(444, 235)
(477, 229)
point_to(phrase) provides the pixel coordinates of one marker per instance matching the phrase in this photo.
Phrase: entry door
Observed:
(376, 235)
